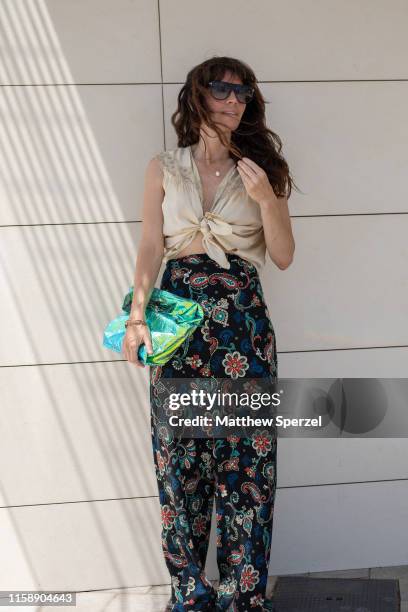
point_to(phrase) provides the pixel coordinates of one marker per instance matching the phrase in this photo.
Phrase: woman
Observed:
(215, 217)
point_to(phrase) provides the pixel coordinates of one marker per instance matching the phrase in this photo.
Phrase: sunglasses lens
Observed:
(245, 95)
(221, 90)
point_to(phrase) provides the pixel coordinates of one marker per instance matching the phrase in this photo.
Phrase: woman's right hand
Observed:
(135, 336)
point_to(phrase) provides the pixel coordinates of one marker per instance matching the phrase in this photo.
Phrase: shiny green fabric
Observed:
(170, 318)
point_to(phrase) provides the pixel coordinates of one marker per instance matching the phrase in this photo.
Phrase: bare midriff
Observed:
(195, 246)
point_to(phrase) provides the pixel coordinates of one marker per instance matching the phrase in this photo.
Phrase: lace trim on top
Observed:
(180, 174)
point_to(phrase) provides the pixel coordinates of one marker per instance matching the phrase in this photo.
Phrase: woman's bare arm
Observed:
(150, 252)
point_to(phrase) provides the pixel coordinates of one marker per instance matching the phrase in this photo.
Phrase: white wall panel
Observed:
(288, 41)
(339, 527)
(61, 285)
(345, 144)
(64, 162)
(347, 286)
(112, 543)
(76, 276)
(341, 142)
(97, 41)
(75, 432)
(346, 363)
(77, 154)
(87, 428)
(82, 546)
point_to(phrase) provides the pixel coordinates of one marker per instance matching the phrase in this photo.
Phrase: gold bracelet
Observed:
(135, 322)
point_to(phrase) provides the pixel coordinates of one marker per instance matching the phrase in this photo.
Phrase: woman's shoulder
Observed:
(174, 162)
(170, 157)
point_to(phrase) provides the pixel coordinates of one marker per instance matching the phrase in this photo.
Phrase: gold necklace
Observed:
(217, 172)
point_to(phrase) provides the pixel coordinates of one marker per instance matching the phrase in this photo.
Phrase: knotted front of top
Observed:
(212, 227)
(234, 222)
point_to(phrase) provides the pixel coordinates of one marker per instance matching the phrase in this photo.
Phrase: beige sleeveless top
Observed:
(234, 222)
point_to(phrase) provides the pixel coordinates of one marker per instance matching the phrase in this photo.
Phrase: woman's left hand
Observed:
(255, 180)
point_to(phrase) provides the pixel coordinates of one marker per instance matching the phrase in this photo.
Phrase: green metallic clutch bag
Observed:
(170, 319)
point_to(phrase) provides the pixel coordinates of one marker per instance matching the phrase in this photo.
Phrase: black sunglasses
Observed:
(220, 90)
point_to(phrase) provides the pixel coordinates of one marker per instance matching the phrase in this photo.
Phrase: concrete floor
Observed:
(154, 599)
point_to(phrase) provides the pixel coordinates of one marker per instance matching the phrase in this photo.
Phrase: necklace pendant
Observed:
(217, 173)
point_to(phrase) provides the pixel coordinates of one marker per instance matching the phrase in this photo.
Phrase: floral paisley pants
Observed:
(236, 339)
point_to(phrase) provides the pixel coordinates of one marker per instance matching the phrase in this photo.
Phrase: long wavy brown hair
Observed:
(251, 139)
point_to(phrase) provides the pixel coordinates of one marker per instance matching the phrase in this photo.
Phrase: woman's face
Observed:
(226, 112)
